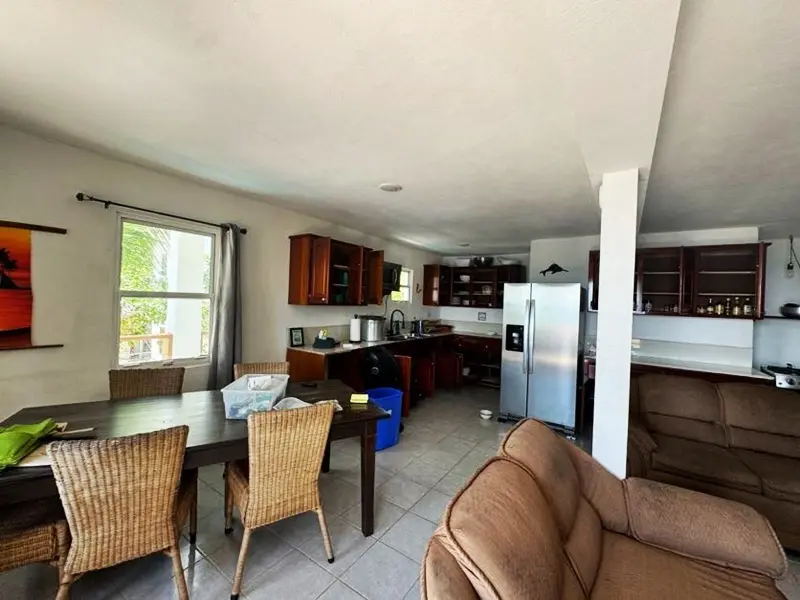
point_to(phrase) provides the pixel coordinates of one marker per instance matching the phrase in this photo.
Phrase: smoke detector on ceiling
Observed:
(390, 187)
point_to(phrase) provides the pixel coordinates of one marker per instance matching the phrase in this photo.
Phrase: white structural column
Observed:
(618, 224)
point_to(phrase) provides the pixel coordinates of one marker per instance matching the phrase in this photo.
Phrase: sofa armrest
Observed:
(638, 435)
(640, 446)
(703, 527)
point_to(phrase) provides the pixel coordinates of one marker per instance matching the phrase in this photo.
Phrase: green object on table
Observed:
(17, 441)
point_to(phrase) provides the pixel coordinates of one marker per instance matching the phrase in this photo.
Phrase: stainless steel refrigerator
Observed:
(542, 348)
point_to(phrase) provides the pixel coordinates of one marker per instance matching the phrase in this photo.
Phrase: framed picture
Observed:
(296, 337)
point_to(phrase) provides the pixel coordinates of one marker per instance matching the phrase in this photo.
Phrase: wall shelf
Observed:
(727, 272)
(661, 273)
(731, 294)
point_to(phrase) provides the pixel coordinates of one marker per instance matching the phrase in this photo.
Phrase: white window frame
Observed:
(410, 287)
(133, 216)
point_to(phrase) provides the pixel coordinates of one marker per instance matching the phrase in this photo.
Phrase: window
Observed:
(404, 294)
(165, 293)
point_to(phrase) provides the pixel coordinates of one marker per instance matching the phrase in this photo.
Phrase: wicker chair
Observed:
(126, 384)
(33, 532)
(260, 368)
(140, 383)
(281, 479)
(123, 499)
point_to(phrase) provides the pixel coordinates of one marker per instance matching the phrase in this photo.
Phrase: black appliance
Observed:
(391, 278)
(380, 369)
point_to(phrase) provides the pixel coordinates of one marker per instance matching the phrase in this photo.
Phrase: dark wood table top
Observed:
(204, 413)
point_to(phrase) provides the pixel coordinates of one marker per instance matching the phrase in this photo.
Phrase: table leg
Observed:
(326, 458)
(368, 479)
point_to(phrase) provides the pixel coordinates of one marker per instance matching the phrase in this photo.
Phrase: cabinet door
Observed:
(355, 293)
(299, 268)
(761, 265)
(320, 271)
(430, 285)
(375, 284)
(594, 279)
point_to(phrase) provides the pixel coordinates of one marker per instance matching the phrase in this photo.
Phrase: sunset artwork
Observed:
(16, 295)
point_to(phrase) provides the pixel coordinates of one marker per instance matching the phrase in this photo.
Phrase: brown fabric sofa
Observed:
(545, 521)
(734, 440)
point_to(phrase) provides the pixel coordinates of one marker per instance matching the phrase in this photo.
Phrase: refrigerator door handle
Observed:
(531, 336)
(525, 341)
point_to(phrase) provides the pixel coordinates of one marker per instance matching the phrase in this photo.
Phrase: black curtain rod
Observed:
(81, 197)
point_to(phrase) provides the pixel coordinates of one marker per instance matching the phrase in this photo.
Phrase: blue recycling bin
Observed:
(390, 400)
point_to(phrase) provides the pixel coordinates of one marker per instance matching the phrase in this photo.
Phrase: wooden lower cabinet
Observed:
(482, 356)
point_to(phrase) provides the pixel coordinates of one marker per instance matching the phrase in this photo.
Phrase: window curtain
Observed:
(225, 343)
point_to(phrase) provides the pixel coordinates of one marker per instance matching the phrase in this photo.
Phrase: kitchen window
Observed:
(165, 292)
(404, 294)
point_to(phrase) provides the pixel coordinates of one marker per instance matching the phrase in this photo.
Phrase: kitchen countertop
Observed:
(340, 349)
(701, 367)
(490, 336)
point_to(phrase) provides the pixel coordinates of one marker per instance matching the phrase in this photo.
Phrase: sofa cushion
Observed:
(762, 418)
(501, 531)
(634, 571)
(441, 576)
(540, 450)
(780, 475)
(702, 461)
(682, 407)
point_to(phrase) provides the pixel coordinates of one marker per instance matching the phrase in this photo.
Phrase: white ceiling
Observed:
(728, 148)
(498, 118)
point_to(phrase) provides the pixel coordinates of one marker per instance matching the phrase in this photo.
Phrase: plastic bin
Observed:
(240, 401)
(390, 400)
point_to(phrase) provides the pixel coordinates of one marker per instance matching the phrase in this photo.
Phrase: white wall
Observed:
(74, 275)
(777, 341)
(570, 253)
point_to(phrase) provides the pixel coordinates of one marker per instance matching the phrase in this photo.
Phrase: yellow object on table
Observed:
(359, 398)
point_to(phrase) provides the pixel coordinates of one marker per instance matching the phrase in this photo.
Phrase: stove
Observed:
(785, 377)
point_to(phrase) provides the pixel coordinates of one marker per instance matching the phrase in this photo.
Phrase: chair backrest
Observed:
(260, 368)
(119, 495)
(140, 383)
(286, 449)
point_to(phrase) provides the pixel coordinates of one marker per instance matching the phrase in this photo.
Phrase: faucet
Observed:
(391, 321)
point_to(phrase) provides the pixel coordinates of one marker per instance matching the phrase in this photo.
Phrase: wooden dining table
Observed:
(212, 438)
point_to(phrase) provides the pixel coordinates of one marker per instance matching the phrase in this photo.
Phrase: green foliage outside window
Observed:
(143, 268)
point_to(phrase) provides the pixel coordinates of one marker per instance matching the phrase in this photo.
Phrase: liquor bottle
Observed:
(727, 307)
(737, 308)
(710, 307)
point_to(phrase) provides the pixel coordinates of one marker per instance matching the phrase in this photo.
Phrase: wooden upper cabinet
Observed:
(375, 277)
(324, 271)
(477, 287)
(299, 268)
(319, 282)
(436, 285)
(730, 272)
(682, 281)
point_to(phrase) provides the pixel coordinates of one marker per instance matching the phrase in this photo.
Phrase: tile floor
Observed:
(444, 441)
